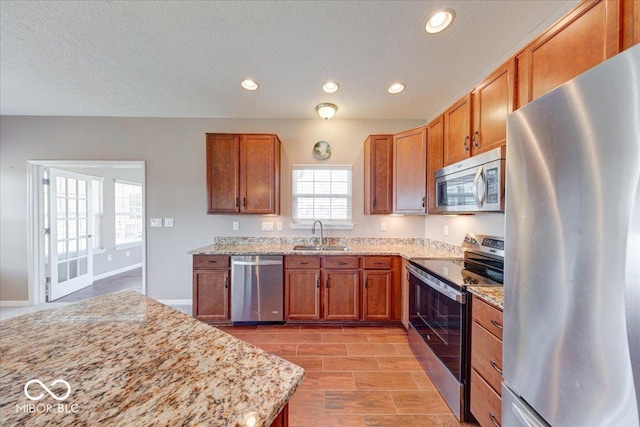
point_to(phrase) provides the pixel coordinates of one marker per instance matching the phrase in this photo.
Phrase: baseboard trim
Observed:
(15, 303)
(118, 271)
(175, 301)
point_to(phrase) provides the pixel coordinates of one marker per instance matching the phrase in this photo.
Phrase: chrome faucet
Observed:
(313, 231)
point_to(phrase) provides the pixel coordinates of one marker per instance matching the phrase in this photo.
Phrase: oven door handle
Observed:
(440, 288)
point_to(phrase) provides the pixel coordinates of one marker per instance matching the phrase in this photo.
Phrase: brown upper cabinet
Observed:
(630, 23)
(243, 174)
(435, 159)
(378, 174)
(585, 37)
(457, 131)
(410, 171)
(491, 102)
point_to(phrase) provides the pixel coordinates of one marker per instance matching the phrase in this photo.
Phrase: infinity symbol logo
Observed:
(41, 395)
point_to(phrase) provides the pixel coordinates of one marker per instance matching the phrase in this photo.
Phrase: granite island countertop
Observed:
(130, 360)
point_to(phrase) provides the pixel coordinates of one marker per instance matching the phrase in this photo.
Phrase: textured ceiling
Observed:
(186, 59)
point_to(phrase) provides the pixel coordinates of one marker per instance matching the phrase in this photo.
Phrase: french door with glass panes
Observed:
(70, 250)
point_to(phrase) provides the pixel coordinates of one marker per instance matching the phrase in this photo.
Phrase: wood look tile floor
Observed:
(355, 376)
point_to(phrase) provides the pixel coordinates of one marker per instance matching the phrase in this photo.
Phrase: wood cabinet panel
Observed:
(210, 261)
(259, 174)
(435, 158)
(223, 173)
(457, 131)
(410, 171)
(376, 295)
(302, 295)
(336, 261)
(404, 293)
(211, 295)
(302, 261)
(341, 294)
(491, 101)
(585, 37)
(377, 262)
(378, 174)
(486, 356)
(485, 403)
(488, 317)
(631, 23)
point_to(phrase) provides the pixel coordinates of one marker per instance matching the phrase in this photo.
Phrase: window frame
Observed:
(130, 243)
(304, 223)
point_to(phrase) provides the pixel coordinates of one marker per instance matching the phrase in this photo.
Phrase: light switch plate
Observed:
(267, 226)
(168, 222)
(155, 222)
(235, 226)
(279, 226)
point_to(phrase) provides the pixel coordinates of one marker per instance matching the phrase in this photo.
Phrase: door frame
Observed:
(35, 250)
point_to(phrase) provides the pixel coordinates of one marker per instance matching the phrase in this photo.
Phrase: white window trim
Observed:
(136, 242)
(303, 224)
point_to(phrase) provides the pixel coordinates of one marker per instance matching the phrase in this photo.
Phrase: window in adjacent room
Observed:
(128, 198)
(97, 213)
(324, 193)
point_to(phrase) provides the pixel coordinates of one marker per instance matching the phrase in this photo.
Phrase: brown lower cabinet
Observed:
(341, 288)
(486, 363)
(211, 281)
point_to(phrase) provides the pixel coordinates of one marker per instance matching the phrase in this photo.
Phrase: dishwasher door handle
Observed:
(257, 262)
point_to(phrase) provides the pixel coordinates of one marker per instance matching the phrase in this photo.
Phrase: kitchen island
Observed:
(125, 359)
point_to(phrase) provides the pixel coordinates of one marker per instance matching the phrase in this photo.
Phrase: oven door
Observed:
(436, 311)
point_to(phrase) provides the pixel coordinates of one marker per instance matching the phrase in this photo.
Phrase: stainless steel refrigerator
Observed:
(572, 264)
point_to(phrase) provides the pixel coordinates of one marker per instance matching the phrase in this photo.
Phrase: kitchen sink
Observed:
(320, 248)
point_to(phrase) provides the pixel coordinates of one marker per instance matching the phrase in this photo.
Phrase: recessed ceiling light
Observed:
(439, 21)
(396, 88)
(330, 87)
(250, 84)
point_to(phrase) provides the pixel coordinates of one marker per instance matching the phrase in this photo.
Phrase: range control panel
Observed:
(488, 244)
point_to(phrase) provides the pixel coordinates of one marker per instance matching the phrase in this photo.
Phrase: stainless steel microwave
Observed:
(472, 185)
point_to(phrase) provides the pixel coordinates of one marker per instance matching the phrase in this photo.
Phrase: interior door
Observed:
(70, 248)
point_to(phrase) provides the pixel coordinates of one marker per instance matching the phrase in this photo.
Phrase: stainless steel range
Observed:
(439, 316)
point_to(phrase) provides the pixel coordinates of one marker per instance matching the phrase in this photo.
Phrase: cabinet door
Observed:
(222, 173)
(584, 38)
(341, 295)
(435, 159)
(376, 295)
(302, 295)
(491, 101)
(410, 171)
(457, 129)
(211, 295)
(378, 174)
(259, 174)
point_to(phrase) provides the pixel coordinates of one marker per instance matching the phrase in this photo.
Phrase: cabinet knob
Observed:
(303, 262)
(226, 282)
(494, 365)
(496, 324)
(244, 202)
(318, 282)
(466, 143)
(342, 263)
(326, 283)
(476, 136)
(366, 283)
(493, 419)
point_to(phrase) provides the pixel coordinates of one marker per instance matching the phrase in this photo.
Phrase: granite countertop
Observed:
(493, 295)
(403, 250)
(129, 360)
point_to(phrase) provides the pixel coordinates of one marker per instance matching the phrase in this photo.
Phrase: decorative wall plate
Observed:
(322, 150)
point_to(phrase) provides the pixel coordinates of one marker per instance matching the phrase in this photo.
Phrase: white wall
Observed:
(119, 259)
(459, 225)
(174, 152)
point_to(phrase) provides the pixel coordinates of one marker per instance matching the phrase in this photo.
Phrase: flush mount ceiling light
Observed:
(326, 110)
(439, 21)
(249, 84)
(330, 87)
(396, 88)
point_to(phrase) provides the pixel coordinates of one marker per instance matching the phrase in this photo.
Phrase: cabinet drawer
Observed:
(210, 261)
(485, 403)
(486, 356)
(376, 262)
(352, 262)
(487, 316)
(302, 261)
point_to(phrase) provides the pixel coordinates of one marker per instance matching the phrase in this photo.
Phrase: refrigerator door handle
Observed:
(632, 288)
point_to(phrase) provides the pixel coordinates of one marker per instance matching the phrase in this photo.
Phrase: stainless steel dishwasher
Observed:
(257, 290)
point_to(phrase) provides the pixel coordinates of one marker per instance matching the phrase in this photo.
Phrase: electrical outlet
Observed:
(168, 222)
(155, 222)
(267, 226)
(235, 226)
(127, 254)
(445, 230)
(279, 225)
(109, 257)
(383, 226)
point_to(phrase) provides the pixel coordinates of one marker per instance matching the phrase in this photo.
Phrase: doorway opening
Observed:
(87, 233)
